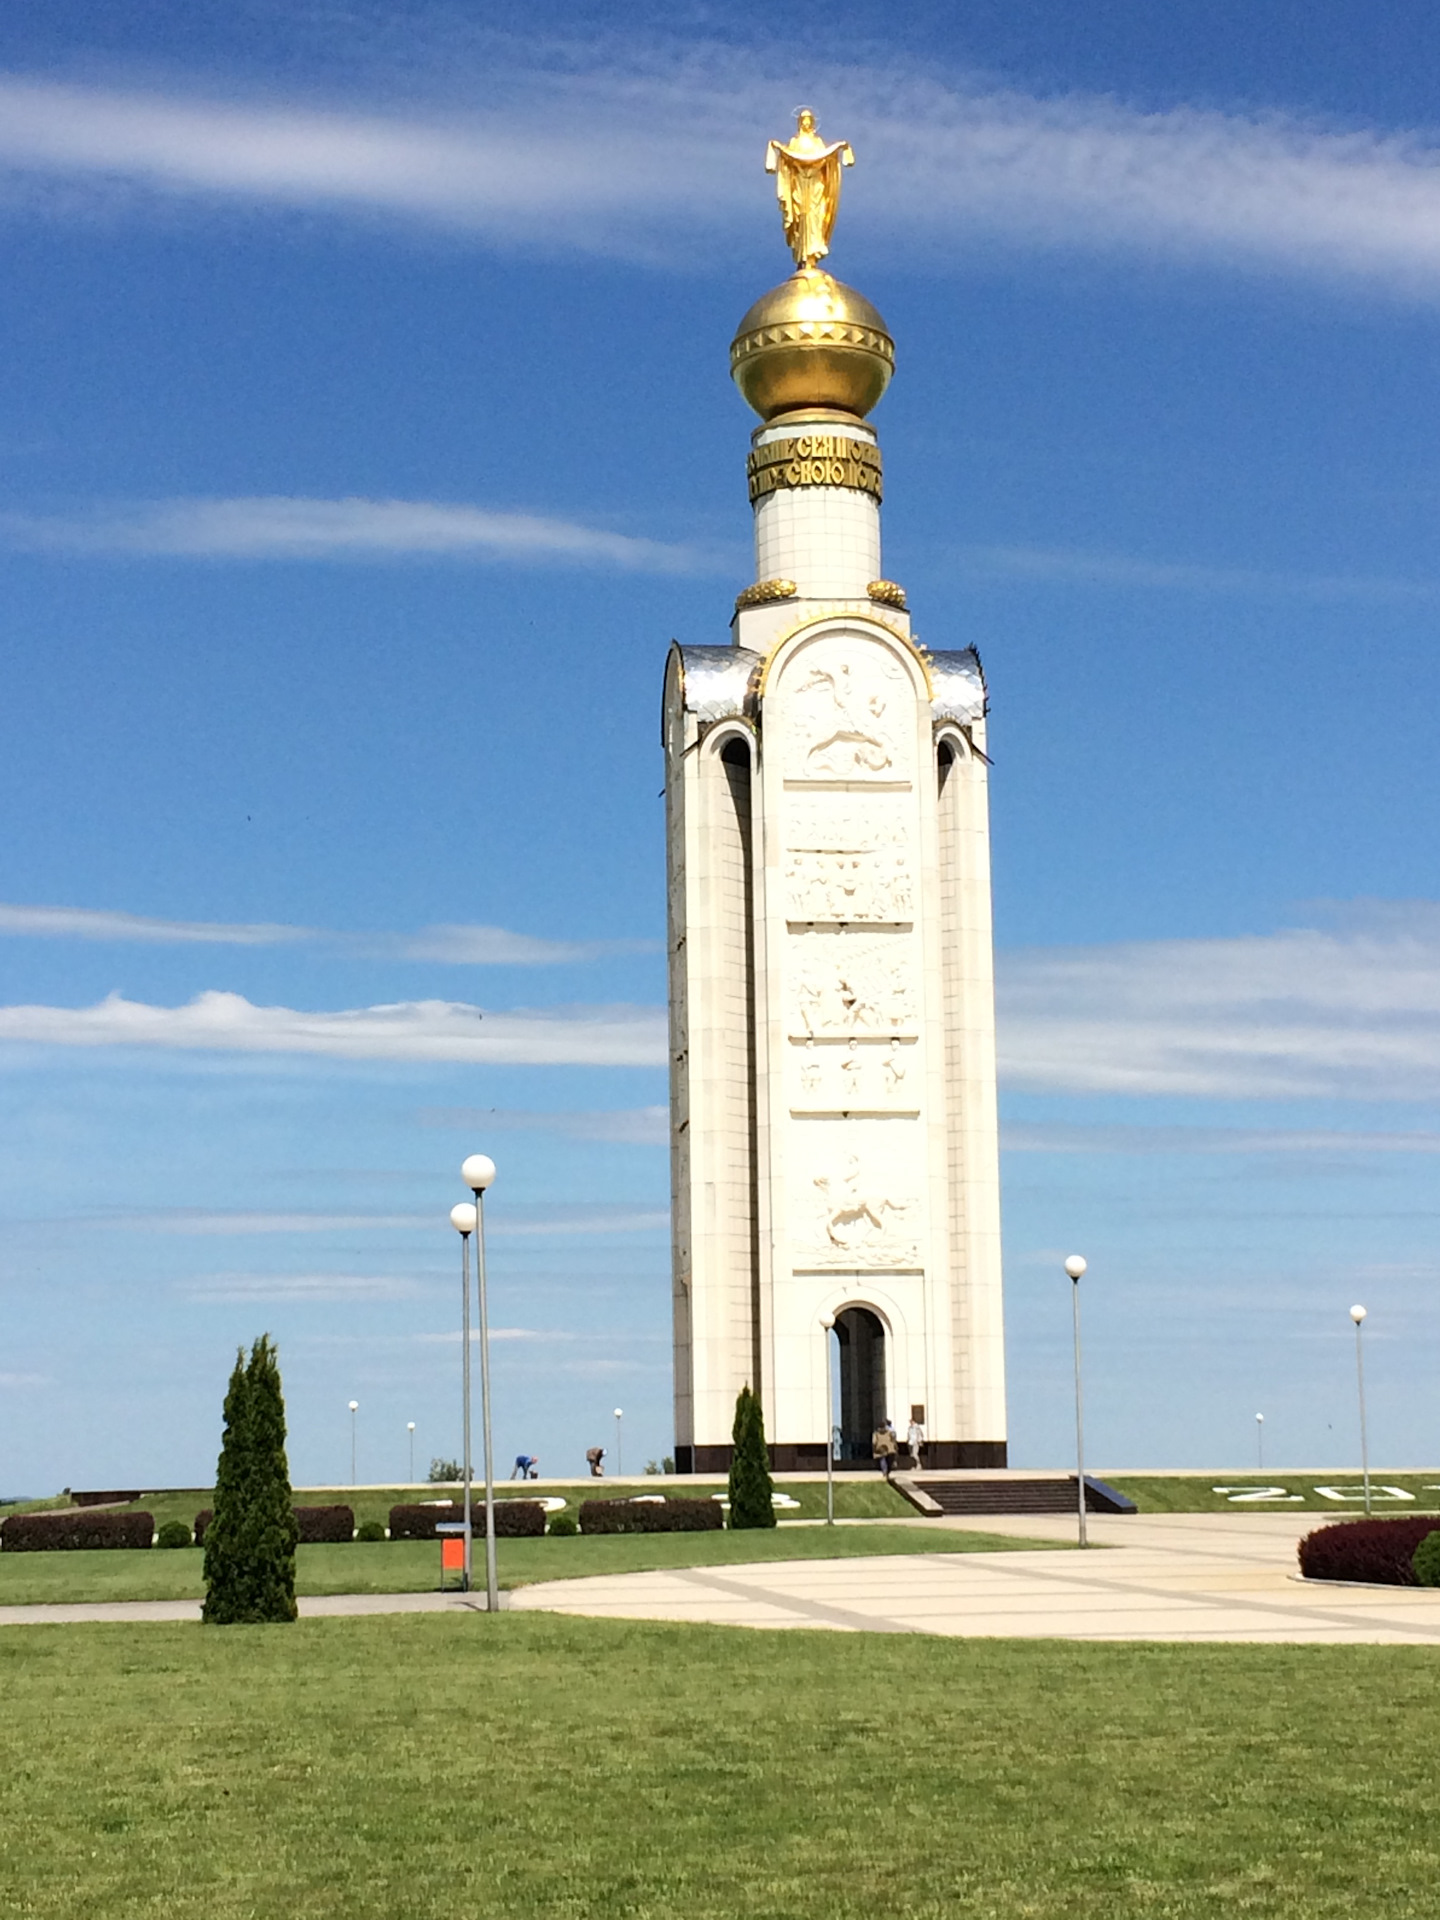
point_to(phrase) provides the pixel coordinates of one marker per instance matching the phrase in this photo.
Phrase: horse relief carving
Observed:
(845, 706)
(860, 1221)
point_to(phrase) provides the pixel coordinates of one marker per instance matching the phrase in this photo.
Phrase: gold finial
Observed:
(807, 182)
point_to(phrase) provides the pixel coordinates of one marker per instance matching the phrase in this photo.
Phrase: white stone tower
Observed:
(833, 1133)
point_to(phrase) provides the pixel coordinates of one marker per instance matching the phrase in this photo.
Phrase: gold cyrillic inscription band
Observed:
(815, 460)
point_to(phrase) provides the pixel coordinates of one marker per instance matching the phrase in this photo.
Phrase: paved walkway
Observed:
(1198, 1577)
(318, 1607)
(1174, 1577)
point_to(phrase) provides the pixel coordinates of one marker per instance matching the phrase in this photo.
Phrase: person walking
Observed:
(883, 1447)
(915, 1434)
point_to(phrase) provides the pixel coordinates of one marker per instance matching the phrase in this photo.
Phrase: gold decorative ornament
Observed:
(807, 183)
(764, 592)
(889, 593)
(814, 460)
(812, 341)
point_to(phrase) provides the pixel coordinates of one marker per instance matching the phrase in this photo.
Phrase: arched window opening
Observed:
(944, 762)
(861, 1340)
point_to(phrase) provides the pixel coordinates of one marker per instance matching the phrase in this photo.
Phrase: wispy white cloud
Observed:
(434, 1030)
(1312, 1142)
(1353, 1014)
(457, 945)
(299, 1287)
(501, 1222)
(95, 923)
(568, 158)
(1075, 566)
(12, 1381)
(286, 528)
(626, 1126)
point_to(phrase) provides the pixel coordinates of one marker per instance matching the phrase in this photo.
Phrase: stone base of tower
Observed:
(808, 1456)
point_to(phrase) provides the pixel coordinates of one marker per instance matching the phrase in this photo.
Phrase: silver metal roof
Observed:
(959, 683)
(716, 680)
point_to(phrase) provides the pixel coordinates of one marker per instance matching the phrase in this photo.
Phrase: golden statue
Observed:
(807, 181)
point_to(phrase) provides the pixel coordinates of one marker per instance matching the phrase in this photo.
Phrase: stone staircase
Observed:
(1010, 1494)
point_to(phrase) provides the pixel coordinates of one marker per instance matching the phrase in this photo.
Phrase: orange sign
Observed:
(452, 1553)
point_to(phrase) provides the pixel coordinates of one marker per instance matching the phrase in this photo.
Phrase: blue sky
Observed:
(365, 437)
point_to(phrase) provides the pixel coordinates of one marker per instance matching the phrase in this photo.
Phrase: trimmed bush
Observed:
(174, 1533)
(651, 1516)
(1382, 1551)
(370, 1530)
(751, 1487)
(75, 1532)
(314, 1526)
(1426, 1561)
(514, 1519)
(250, 1543)
(324, 1526)
(563, 1523)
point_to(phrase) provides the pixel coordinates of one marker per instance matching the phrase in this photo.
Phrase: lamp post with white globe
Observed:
(1075, 1267)
(354, 1476)
(410, 1429)
(1357, 1314)
(619, 1454)
(478, 1172)
(462, 1218)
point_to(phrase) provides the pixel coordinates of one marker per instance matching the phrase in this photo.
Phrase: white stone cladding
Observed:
(832, 1006)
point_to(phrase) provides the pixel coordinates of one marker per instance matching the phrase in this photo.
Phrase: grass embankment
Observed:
(569, 1770)
(1177, 1493)
(413, 1566)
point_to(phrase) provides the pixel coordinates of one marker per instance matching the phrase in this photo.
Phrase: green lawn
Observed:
(398, 1769)
(1175, 1493)
(413, 1566)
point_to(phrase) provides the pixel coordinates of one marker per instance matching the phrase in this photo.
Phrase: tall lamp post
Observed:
(619, 1455)
(410, 1429)
(1075, 1267)
(1260, 1441)
(354, 1476)
(478, 1172)
(1357, 1314)
(828, 1327)
(462, 1218)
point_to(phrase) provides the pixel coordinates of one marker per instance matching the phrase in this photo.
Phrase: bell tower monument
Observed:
(835, 1179)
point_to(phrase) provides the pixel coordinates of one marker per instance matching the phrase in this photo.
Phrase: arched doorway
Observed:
(861, 1340)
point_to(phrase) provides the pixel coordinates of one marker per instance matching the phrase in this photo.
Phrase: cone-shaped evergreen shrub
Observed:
(250, 1543)
(750, 1484)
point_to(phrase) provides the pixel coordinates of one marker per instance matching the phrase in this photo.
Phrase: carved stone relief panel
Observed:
(847, 860)
(841, 985)
(847, 710)
(856, 1201)
(854, 1076)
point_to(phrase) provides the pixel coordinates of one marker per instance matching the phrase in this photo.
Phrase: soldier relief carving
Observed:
(847, 703)
(860, 1221)
(853, 1076)
(848, 865)
(848, 987)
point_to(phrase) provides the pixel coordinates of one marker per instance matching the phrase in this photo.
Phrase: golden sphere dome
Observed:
(812, 342)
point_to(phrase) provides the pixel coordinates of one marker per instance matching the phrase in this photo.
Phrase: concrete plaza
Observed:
(1169, 1577)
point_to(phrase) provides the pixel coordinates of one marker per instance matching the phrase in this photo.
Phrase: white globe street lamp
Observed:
(1357, 1314)
(619, 1455)
(827, 1327)
(1075, 1267)
(1260, 1441)
(410, 1429)
(462, 1218)
(478, 1172)
(354, 1476)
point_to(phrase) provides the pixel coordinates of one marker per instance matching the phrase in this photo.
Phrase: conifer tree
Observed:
(250, 1542)
(750, 1483)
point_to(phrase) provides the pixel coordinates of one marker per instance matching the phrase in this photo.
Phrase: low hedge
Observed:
(514, 1519)
(319, 1526)
(75, 1532)
(1382, 1551)
(674, 1514)
(1427, 1561)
